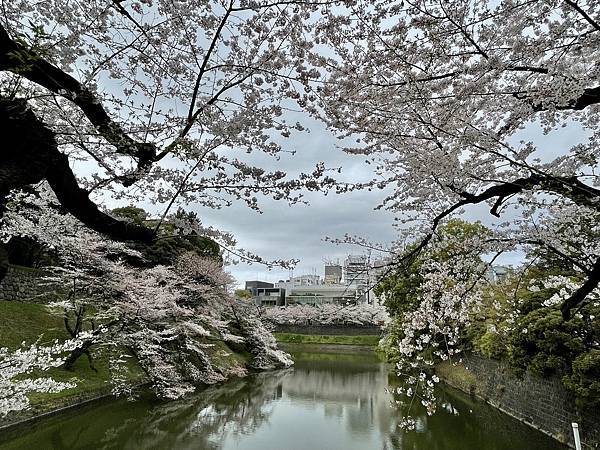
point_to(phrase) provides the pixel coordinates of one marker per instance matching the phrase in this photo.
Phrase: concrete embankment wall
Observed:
(542, 403)
(333, 330)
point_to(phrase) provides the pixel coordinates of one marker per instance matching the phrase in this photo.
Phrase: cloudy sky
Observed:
(286, 232)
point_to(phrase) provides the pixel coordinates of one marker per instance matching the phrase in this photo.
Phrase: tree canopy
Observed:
(453, 103)
(160, 100)
(459, 107)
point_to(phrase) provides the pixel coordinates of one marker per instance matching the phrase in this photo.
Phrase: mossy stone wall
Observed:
(25, 284)
(542, 403)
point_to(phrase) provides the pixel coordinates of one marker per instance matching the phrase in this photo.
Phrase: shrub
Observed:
(492, 345)
(585, 378)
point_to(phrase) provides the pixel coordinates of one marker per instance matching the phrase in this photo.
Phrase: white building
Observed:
(299, 281)
(356, 270)
(321, 294)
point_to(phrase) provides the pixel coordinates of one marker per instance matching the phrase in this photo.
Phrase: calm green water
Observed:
(328, 401)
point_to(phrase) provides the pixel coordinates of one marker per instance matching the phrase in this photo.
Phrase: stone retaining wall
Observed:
(335, 330)
(542, 403)
(24, 284)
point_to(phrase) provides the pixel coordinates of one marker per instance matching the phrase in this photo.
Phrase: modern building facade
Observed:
(299, 281)
(253, 286)
(333, 274)
(356, 270)
(266, 294)
(323, 294)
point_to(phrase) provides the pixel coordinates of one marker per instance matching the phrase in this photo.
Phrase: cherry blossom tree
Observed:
(459, 105)
(451, 102)
(154, 99)
(328, 314)
(170, 318)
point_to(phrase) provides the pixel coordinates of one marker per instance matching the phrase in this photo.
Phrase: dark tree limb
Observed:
(29, 154)
(76, 201)
(585, 15)
(205, 60)
(85, 347)
(580, 294)
(25, 62)
(590, 96)
(569, 187)
(68, 325)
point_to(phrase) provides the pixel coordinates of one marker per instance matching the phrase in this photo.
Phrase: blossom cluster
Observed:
(328, 314)
(19, 372)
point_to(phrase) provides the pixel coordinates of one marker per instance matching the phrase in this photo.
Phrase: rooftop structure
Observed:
(252, 286)
(265, 294)
(333, 274)
(302, 280)
(356, 270)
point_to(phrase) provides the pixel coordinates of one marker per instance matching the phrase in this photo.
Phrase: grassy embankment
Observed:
(30, 323)
(457, 376)
(291, 338)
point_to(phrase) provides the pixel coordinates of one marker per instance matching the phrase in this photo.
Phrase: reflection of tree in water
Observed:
(462, 422)
(239, 412)
(352, 395)
(201, 421)
(353, 391)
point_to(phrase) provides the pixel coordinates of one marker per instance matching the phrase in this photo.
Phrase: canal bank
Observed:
(327, 401)
(542, 403)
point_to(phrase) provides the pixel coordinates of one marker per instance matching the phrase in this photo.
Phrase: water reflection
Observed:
(328, 401)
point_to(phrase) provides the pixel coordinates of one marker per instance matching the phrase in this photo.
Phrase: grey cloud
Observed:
(298, 231)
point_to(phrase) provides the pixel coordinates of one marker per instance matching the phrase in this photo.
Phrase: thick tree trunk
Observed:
(25, 148)
(29, 154)
(16, 58)
(78, 353)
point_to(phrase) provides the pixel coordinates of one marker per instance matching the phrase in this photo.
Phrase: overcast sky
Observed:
(298, 231)
(286, 232)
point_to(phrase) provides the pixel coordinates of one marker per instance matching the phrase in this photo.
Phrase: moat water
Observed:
(327, 401)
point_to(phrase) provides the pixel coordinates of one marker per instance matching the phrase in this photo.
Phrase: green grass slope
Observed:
(28, 323)
(291, 338)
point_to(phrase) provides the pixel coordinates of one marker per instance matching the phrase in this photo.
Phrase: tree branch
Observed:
(580, 294)
(590, 96)
(585, 15)
(569, 187)
(25, 62)
(30, 155)
(205, 61)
